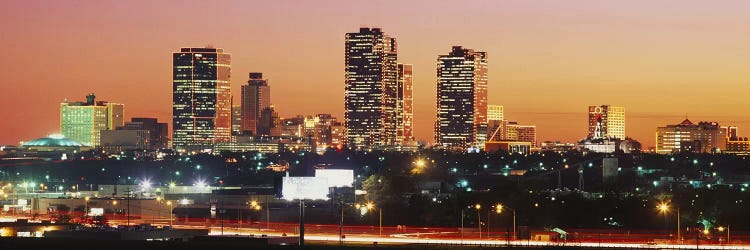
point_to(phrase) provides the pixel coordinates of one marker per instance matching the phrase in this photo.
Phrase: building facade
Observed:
(158, 131)
(405, 108)
(495, 113)
(83, 121)
(512, 131)
(269, 123)
(704, 137)
(201, 107)
(461, 99)
(236, 119)
(256, 96)
(370, 99)
(606, 121)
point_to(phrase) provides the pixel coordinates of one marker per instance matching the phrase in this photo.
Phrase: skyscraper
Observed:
(256, 96)
(201, 107)
(371, 88)
(84, 121)
(461, 99)
(236, 119)
(606, 121)
(405, 108)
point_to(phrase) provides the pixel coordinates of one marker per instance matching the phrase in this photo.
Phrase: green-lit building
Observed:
(84, 121)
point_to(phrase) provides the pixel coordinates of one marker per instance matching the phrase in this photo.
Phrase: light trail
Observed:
(477, 242)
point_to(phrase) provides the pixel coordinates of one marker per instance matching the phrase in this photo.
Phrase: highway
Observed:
(452, 236)
(329, 234)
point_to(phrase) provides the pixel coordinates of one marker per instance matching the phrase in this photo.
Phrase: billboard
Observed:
(337, 177)
(310, 188)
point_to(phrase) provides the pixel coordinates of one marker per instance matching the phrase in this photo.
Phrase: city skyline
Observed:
(540, 83)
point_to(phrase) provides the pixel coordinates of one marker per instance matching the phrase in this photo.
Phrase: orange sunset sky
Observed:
(548, 60)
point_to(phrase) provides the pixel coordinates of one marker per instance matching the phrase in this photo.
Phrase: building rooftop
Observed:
(52, 141)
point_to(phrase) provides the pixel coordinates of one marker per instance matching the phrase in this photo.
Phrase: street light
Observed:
(364, 208)
(86, 207)
(499, 209)
(663, 208)
(478, 207)
(169, 203)
(721, 229)
(419, 167)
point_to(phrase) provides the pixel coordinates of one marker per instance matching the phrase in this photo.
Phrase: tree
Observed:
(377, 188)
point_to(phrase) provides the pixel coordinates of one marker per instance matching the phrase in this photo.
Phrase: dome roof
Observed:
(52, 141)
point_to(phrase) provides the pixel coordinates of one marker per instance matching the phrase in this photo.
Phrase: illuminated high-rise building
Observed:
(84, 121)
(512, 131)
(704, 137)
(201, 107)
(269, 123)
(405, 108)
(256, 96)
(495, 113)
(606, 121)
(371, 88)
(236, 119)
(461, 99)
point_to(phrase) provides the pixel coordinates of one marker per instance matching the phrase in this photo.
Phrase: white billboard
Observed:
(310, 188)
(337, 177)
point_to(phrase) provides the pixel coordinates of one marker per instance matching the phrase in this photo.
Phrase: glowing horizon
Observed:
(548, 60)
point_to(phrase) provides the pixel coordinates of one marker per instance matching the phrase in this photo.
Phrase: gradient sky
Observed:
(548, 60)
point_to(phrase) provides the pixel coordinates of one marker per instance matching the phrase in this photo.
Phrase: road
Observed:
(452, 236)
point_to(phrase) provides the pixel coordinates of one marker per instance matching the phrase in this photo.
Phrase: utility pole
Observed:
(341, 227)
(380, 211)
(479, 223)
(301, 222)
(129, 193)
(515, 237)
(678, 225)
(462, 223)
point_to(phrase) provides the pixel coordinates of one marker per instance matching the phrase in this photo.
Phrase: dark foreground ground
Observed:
(60, 244)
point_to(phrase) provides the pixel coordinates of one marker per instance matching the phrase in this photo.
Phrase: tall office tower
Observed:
(84, 121)
(495, 113)
(370, 99)
(236, 119)
(201, 107)
(606, 121)
(269, 123)
(405, 105)
(704, 137)
(256, 96)
(461, 99)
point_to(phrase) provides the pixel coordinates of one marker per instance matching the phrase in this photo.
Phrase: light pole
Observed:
(86, 206)
(462, 223)
(479, 219)
(169, 203)
(499, 209)
(380, 214)
(257, 207)
(364, 208)
(663, 207)
(721, 229)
